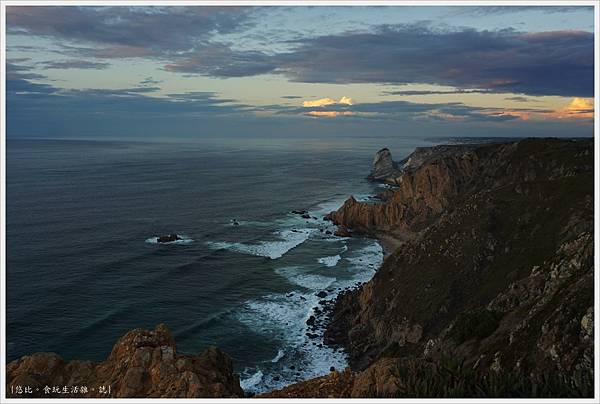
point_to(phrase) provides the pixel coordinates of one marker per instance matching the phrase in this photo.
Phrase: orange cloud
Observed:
(327, 101)
(318, 103)
(578, 108)
(330, 114)
(346, 101)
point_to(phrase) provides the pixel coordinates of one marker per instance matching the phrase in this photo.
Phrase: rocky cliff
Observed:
(142, 364)
(490, 294)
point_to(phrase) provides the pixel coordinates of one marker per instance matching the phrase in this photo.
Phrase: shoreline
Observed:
(388, 243)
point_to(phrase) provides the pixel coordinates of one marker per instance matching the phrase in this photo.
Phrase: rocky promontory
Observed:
(493, 279)
(142, 364)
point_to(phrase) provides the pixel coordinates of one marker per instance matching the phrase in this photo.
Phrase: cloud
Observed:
(322, 102)
(16, 72)
(330, 114)
(495, 10)
(432, 92)
(150, 81)
(346, 101)
(128, 31)
(578, 108)
(544, 63)
(74, 64)
(550, 63)
(318, 103)
(220, 60)
(519, 99)
(33, 108)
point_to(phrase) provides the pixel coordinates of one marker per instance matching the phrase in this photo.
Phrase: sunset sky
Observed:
(170, 72)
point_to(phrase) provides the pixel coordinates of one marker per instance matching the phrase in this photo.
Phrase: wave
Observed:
(277, 357)
(330, 261)
(271, 249)
(312, 282)
(248, 383)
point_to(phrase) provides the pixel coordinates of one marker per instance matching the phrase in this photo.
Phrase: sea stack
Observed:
(384, 168)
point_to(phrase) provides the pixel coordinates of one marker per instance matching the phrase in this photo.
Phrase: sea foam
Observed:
(330, 261)
(270, 249)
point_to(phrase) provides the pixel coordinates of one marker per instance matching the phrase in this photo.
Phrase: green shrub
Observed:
(477, 325)
(449, 378)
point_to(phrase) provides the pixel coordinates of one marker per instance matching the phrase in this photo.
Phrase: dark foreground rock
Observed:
(142, 364)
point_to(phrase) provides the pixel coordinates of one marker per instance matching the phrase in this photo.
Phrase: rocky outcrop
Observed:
(496, 271)
(384, 168)
(435, 180)
(168, 238)
(142, 364)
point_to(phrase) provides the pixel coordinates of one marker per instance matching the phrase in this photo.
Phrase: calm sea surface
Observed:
(83, 266)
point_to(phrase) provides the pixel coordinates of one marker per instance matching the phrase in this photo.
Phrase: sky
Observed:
(152, 72)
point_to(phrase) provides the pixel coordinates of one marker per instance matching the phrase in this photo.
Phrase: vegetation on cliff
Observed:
(495, 271)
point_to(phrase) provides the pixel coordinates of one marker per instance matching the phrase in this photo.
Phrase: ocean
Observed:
(83, 265)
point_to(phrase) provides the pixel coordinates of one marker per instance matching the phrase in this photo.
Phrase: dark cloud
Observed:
(519, 98)
(549, 63)
(150, 81)
(75, 64)
(128, 31)
(221, 61)
(431, 92)
(40, 109)
(291, 97)
(494, 10)
(545, 63)
(403, 111)
(16, 71)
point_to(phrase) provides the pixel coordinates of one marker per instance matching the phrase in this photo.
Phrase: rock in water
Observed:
(168, 238)
(142, 364)
(342, 231)
(384, 168)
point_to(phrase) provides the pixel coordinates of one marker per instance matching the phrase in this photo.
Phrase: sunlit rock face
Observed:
(141, 364)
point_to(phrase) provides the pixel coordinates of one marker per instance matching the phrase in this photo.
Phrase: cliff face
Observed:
(426, 187)
(142, 364)
(497, 272)
(433, 180)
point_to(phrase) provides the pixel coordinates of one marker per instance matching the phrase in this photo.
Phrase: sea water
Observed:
(84, 265)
